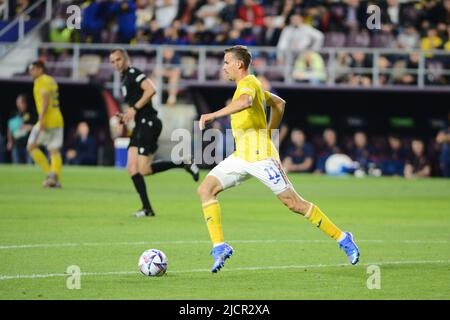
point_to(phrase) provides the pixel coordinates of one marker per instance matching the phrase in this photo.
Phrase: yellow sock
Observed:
(211, 212)
(320, 220)
(56, 163)
(40, 159)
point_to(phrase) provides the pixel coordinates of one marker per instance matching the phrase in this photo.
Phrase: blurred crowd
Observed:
(308, 27)
(391, 155)
(305, 26)
(376, 155)
(359, 153)
(404, 24)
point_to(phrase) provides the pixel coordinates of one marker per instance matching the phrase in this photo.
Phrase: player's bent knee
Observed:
(205, 192)
(54, 151)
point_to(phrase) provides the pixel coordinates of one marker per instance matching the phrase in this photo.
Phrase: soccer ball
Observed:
(153, 263)
(339, 164)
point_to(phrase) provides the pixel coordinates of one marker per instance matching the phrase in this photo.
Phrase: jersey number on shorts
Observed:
(274, 178)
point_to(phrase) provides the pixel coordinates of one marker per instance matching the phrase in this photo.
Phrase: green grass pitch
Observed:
(401, 226)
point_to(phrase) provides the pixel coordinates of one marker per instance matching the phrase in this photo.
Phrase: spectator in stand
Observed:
(417, 164)
(21, 6)
(19, 128)
(384, 66)
(174, 35)
(84, 151)
(409, 39)
(145, 12)
(170, 73)
(252, 14)
(430, 12)
(393, 163)
(125, 10)
(405, 72)
(342, 69)
(432, 41)
(362, 152)
(199, 34)
(361, 60)
(3, 10)
(141, 37)
(354, 17)
(300, 154)
(397, 14)
(330, 148)
(447, 44)
(298, 36)
(443, 14)
(155, 34)
(310, 68)
(93, 17)
(166, 11)
(60, 33)
(209, 12)
(443, 141)
(187, 11)
(229, 12)
(271, 32)
(240, 35)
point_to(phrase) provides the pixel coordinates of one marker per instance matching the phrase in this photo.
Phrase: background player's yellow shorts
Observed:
(232, 171)
(51, 138)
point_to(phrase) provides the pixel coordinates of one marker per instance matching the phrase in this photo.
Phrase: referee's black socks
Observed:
(141, 188)
(160, 166)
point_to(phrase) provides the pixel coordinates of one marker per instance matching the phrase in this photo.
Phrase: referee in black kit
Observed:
(137, 90)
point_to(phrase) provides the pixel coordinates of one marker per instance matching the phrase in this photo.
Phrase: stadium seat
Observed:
(63, 66)
(105, 71)
(435, 71)
(382, 40)
(334, 39)
(213, 67)
(89, 65)
(189, 67)
(358, 40)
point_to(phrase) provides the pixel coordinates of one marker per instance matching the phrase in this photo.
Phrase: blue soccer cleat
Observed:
(350, 248)
(220, 254)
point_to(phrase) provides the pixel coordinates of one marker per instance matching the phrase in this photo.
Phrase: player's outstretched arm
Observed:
(243, 102)
(277, 105)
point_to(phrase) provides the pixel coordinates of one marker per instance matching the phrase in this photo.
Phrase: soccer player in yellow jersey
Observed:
(49, 129)
(255, 156)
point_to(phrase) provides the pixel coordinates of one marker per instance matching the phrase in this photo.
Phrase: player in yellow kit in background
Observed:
(255, 156)
(49, 130)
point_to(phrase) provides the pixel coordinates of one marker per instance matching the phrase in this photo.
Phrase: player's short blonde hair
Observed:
(241, 53)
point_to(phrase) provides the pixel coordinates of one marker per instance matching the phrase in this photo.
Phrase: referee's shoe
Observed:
(193, 169)
(144, 213)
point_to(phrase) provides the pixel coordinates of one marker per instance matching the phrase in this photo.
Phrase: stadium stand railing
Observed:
(203, 64)
(13, 32)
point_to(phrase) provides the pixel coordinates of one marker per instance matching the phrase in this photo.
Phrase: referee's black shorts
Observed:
(145, 135)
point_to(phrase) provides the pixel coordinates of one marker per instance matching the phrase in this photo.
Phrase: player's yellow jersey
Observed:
(53, 117)
(249, 126)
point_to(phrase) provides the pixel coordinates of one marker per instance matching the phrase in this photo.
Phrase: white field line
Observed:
(176, 242)
(115, 273)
